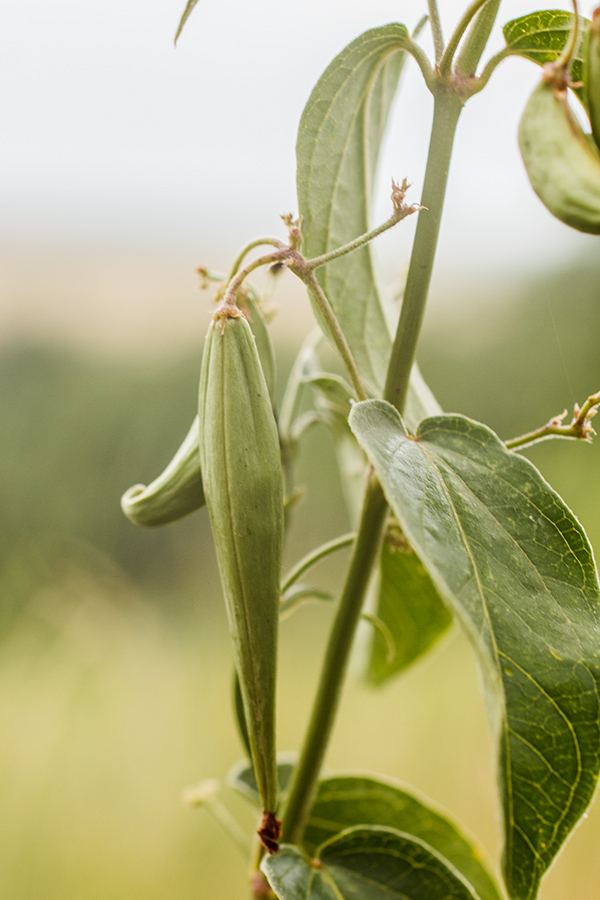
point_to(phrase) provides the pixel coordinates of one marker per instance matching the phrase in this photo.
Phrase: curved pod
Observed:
(177, 492)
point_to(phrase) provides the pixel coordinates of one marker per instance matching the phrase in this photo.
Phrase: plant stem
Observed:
(257, 242)
(305, 274)
(304, 783)
(467, 18)
(363, 239)
(490, 67)
(447, 111)
(477, 38)
(436, 29)
(446, 114)
(229, 297)
(579, 428)
(315, 556)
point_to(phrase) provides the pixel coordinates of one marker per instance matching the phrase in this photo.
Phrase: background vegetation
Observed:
(115, 668)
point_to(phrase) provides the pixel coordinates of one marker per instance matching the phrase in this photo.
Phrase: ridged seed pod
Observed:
(176, 493)
(241, 468)
(561, 162)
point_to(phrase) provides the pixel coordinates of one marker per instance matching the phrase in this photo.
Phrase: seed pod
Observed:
(176, 493)
(563, 167)
(592, 74)
(240, 462)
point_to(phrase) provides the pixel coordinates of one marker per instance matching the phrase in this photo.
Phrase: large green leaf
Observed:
(365, 864)
(344, 801)
(409, 606)
(541, 37)
(338, 144)
(514, 564)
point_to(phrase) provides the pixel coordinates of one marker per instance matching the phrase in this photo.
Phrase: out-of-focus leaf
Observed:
(344, 801)
(515, 565)
(365, 864)
(337, 149)
(186, 14)
(409, 606)
(541, 37)
(241, 777)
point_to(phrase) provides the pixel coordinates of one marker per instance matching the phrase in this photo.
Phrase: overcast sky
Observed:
(112, 136)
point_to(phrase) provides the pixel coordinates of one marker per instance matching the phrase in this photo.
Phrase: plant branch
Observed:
(420, 57)
(488, 70)
(476, 40)
(228, 303)
(306, 774)
(308, 277)
(453, 43)
(564, 59)
(401, 211)
(436, 29)
(579, 428)
(447, 111)
(257, 242)
(345, 540)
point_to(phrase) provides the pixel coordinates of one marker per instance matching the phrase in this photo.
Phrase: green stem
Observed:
(467, 18)
(304, 783)
(447, 111)
(251, 245)
(477, 38)
(229, 297)
(361, 240)
(490, 67)
(564, 59)
(579, 428)
(315, 556)
(303, 788)
(436, 29)
(306, 275)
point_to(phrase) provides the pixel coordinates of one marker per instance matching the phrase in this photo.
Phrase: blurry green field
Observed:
(115, 668)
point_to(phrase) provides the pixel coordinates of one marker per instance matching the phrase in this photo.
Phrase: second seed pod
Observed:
(562, 164)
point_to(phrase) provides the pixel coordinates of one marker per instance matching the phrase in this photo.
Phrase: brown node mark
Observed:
(270, 832)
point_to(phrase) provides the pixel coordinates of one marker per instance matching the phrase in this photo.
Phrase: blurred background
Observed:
(125, 165)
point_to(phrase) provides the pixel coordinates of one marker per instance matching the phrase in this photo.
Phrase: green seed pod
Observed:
(592, 74)
(563, 167)
(241, 467)
(176, 493)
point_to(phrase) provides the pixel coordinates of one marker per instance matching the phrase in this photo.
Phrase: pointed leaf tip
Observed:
(186, 14)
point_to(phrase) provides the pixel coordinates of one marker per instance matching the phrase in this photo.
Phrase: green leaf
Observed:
(344, 801)
(365, 864)
(338, 144)
(242, 779)
(334, 393)
(186, 14)
(514, 564)
(409, 605)
(541, 37)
